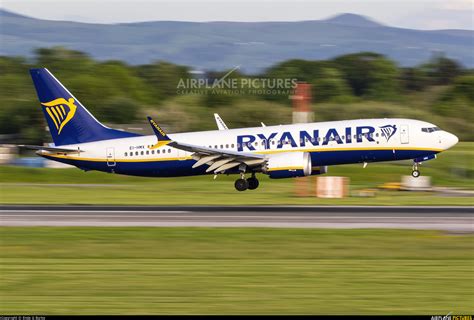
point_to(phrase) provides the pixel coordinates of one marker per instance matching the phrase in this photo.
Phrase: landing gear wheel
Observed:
(241, 184)
(253, 183)
(415, 173)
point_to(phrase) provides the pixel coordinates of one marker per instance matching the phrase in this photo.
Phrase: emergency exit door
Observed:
(110, 157)
(404, 134)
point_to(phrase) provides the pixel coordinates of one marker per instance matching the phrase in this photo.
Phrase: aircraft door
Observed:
(404, 134)
(110, 153)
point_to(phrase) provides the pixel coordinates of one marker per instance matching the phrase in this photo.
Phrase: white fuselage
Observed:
(329, 143)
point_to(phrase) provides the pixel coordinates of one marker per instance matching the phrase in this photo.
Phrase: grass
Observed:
(234, 271)
(453, 168)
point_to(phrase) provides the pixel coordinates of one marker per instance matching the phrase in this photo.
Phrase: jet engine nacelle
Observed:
(288, 165)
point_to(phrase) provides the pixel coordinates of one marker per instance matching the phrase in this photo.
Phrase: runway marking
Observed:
(92, 211)
(234, 216)
(280, 218)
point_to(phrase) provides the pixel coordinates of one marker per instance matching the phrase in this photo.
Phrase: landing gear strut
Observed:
(415, 172)
(241, 184)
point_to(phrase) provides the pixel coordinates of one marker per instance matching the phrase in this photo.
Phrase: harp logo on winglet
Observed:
(61, 111)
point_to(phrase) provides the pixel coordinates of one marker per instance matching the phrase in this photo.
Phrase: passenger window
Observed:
(136, 153)
(125, 154)
(169, 150)
(147, 152)
(142, 153)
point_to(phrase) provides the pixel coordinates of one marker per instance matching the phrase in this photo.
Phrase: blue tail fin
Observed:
(68, 120)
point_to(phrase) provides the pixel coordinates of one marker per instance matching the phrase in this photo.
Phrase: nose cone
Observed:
(449, 140)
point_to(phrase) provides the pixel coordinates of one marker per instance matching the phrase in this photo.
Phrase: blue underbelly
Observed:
(357, 156)
(177, 168)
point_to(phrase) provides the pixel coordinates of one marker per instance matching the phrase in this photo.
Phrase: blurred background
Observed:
(349, 66)
(126, 60)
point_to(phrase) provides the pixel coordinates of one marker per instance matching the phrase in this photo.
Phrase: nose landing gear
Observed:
(415, 172)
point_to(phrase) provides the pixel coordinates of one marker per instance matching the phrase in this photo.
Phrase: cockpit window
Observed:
(431, 129)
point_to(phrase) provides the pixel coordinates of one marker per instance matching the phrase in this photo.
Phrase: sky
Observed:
(415, 14)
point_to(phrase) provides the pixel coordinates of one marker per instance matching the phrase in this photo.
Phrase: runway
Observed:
(455, 219)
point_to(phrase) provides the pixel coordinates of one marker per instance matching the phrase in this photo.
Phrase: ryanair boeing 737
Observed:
(283, 151)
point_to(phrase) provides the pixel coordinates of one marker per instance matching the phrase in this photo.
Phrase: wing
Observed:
(218, 160)
(50, 149)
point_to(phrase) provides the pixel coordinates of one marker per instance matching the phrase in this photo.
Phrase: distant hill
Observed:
(223, 45)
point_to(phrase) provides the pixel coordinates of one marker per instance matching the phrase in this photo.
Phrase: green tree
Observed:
(66, 62)
(329, 86)
(442, 70)
(120, 110)
(370, 75)
(414, 79)
(458, 100)
(162, 78)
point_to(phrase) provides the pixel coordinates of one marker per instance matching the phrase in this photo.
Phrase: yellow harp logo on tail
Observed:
(61, 111)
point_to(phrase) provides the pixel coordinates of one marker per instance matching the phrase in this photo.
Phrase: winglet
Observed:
(220, 123)
(162, 137)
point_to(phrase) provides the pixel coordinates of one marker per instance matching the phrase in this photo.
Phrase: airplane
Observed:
(283, 151)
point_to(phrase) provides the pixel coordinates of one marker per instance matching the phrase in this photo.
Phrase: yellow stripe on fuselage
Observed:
(60, 156)
(260, 152)
(349, 149)
(285, 168)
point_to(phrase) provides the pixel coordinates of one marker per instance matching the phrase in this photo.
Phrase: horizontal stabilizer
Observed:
(50, 149)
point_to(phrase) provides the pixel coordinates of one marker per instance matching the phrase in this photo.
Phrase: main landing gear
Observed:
(415, 172)
(243, 184)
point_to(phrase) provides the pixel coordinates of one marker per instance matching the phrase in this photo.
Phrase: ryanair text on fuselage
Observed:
(314, 138)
